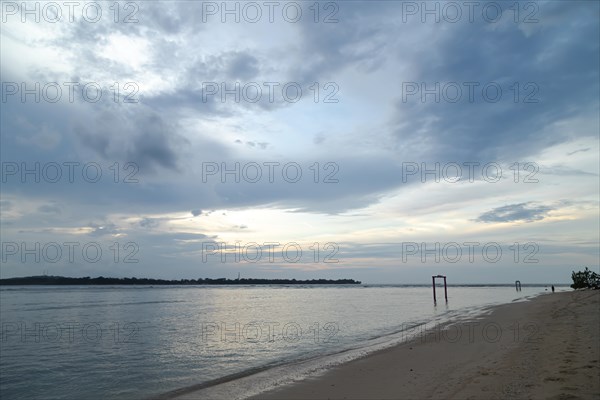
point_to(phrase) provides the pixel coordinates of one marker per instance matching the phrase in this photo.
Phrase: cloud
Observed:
(143, 138)
(45, 139)
(5, 205)
(565, 171)
(578, 151)
(369, 53)
(49, 209)
(319, 138)
(525, 212)
(242, 66)
(149, 223)
(103, 229)
(253, 144)
(487, 130)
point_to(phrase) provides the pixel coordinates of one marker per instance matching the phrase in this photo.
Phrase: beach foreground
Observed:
(547, 348)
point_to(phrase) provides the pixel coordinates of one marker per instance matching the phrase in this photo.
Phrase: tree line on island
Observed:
(63, 280)
(582, 279)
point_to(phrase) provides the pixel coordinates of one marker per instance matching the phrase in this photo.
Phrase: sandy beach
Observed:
(547, 348)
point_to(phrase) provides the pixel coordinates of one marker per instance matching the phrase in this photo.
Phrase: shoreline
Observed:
(541, 348)
(260, 379)
(545, 348)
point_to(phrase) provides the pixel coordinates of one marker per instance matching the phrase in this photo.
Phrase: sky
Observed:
(382, 141)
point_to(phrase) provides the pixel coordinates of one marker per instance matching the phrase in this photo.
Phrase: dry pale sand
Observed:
(548, 348)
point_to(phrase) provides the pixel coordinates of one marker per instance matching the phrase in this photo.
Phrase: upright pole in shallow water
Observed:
(445, 290)
(445, 287)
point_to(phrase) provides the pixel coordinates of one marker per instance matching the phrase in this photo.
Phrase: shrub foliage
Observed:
(585, 279)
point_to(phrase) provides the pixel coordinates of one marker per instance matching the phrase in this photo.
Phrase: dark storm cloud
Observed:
(562, 66)
(153, 147)
(352, 183)
(202, 84)
(526, 212)
(143, 138)
(359, 40)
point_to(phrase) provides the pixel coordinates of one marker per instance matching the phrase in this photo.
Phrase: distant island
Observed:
(63, 280)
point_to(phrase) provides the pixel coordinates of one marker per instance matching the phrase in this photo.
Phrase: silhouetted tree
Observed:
(585, 279)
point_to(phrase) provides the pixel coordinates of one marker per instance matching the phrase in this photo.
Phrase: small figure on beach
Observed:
(552, 288)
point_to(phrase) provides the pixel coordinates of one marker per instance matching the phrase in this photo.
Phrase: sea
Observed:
(144, 342)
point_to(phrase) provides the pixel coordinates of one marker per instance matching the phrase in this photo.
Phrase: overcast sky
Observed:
(384, 144)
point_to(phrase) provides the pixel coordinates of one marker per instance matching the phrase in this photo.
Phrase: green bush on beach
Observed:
(585, 279)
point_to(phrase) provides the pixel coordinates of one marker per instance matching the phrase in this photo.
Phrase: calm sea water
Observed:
(138, 342)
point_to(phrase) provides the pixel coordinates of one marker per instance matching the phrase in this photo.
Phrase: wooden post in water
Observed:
(445, 287)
